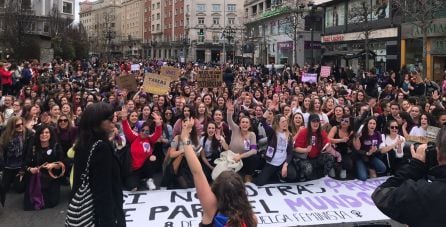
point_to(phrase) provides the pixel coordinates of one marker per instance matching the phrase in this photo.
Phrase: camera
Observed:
(431, 154)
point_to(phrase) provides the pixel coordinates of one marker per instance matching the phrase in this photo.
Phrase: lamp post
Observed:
(313, 18)
(186, 42)
(228, 33)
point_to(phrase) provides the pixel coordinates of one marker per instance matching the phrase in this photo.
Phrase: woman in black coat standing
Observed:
(105, 178)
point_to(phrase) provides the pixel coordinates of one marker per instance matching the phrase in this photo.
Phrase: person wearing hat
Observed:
(310, 145)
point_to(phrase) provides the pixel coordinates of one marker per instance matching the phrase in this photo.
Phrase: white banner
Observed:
(323, 201)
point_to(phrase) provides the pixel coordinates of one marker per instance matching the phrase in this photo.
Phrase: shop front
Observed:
(412, 48)
(348, 50)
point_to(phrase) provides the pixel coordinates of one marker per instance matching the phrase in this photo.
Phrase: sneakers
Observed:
(343, 174)
(150, 184)
(332, 173)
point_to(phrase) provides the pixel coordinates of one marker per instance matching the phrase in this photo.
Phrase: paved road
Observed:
(14, 216)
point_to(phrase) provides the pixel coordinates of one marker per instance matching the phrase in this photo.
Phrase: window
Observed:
(153, 27)
(153, 16)
(215, 7)
(231, 21)
(201, 20)
(67, 7)
(215, 37)
(201, 7)
(158, 5)
(216, 20)
(158, 27)
(231, 7)
(158, 16)
(2, 3)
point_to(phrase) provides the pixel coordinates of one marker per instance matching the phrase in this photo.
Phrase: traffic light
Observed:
(201, 32)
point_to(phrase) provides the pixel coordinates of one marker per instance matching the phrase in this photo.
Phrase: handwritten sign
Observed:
(309, 77)
(170, 71)
(209, 78)
(127, 82)
(156, 84)
(325, 71)
(318, 202)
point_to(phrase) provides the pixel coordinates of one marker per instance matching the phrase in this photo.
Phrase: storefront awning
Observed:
(348, 54)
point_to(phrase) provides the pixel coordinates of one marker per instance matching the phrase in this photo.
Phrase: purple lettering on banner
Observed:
(317, 203)
(352, 201)
(366, 198)
(335, 204)
(299, 202)
(333, 184)
(353, 186)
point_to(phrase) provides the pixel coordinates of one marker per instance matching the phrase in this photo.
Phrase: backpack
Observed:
(221, 220)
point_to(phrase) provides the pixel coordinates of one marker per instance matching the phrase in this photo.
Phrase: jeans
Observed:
(362, 167)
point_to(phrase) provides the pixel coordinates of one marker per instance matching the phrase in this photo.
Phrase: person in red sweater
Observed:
(6, 77)
(309, 144)
(141, 149)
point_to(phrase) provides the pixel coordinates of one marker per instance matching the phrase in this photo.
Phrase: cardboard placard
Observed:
(309, 77)
(156, 84)
(172, 72)
(127, 82)
(325, 71)
(209, 78)
(432, 133)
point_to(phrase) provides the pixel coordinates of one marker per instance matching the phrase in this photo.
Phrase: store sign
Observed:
(314, 45)
(285, 45)
(376, 34)
(438, 46)
(437, 28)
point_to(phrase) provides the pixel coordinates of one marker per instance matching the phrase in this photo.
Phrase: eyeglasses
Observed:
(345, 120)
(19, 125)
(393, 127)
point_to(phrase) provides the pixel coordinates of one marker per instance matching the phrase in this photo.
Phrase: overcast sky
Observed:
(76, 10)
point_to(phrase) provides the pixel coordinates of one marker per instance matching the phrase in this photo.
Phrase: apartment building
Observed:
(131, 14)
(100, 20)
(206, 21)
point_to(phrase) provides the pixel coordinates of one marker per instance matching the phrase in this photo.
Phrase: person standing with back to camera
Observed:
(415, 195)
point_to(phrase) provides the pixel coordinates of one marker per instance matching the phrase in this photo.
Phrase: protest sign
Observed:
(309, 77)
(170, 71)
(432, 133)
(127, 82)
(156, 84)
(209, 78)
(135, 67)
(318, 202)
(325, 71)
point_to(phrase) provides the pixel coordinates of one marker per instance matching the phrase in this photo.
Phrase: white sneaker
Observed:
(150, 184)
(343, 174)
(332, 173)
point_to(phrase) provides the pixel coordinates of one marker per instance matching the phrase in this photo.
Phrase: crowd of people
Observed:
(281, 129)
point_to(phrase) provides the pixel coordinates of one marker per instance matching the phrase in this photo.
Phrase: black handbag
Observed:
(80, 210)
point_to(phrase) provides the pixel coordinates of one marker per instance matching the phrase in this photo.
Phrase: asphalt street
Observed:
(12, 215)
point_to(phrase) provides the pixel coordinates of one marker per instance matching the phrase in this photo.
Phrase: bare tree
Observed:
(361, 13)
(295, 21)
(420, 13)
(18, 21)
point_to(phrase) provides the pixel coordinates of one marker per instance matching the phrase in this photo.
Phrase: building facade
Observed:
(346, 26)
(412, 46)
(131, 22)
(206, 22)
(101, 22)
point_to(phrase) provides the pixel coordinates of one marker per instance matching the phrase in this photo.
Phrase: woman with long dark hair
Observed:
(213, 144)
(339, 136)
(225, 202)
(105, 175)
(13, 147)
(46, 159)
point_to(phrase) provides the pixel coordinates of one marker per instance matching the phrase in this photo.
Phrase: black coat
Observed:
(410, 199)
(105, 182)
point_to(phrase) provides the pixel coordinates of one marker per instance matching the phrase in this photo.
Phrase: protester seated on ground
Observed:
(44, 162)
(141, 149)
(392, 147)
(213, 143)
(341, 138)
(243, 142)
(279, 152)
(312, 162)
(367, 143)
(225, 202)
(176, 173)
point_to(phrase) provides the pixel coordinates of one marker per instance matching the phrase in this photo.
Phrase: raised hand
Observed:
(186, 128)
(230, 106)
(157, 119)
(124, 113)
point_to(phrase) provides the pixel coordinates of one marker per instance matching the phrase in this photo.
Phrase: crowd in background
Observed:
(283, 130)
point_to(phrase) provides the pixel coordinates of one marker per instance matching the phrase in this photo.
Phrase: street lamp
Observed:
(228, 33)
(186, 42)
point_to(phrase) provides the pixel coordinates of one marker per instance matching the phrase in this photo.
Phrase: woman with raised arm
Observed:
(243, 142)
(225, 203)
